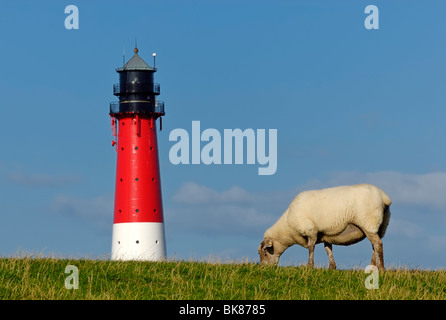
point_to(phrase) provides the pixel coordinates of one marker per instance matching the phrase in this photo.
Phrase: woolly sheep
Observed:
(340, 215)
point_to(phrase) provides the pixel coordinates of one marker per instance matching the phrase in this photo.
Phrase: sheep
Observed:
(341, 215)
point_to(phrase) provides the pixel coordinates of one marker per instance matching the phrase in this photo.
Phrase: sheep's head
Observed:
(266, 252)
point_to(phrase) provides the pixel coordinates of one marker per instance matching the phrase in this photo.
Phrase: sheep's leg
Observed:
(373, 261)
(378, 254)
(311, 245)
(328, 250)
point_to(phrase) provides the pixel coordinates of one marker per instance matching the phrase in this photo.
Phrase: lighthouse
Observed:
(138, 226)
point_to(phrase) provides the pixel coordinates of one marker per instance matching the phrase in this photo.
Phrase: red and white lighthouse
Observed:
(138, 228)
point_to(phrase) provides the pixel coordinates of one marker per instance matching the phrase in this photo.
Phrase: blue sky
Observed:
(350, 105)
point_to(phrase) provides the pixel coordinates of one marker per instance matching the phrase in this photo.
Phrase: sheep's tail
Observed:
(385, 198)
(386, 215)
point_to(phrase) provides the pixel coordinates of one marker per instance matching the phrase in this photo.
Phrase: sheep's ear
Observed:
(267, 243)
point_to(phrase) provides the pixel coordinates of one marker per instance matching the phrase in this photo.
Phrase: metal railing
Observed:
(135, 88)
(115, 107)
(159, 107)
(156, 88)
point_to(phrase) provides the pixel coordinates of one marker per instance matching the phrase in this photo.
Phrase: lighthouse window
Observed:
(136, 148)
(154, 210)
(136, 179)
(137, 210)
(137, 241)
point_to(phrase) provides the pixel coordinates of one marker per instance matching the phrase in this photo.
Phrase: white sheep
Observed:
(340, 215)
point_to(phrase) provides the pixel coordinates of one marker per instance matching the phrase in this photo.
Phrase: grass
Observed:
(44, 278)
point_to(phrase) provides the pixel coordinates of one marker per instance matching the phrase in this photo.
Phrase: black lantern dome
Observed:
(136, 89)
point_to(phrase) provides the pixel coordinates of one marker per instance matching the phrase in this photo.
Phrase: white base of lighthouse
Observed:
(138, 241)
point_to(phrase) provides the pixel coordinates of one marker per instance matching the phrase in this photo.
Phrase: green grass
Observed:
(44, 278)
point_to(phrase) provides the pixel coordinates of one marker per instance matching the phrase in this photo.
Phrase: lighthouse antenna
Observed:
(123, 56)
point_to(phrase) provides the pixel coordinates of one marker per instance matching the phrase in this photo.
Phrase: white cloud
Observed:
(233, 211)
(218, 219)
(427, 190)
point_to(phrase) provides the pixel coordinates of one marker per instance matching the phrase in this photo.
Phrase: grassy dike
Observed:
(44, 278)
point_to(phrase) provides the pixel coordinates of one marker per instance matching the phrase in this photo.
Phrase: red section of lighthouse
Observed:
(138, 189)
(138, 226)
